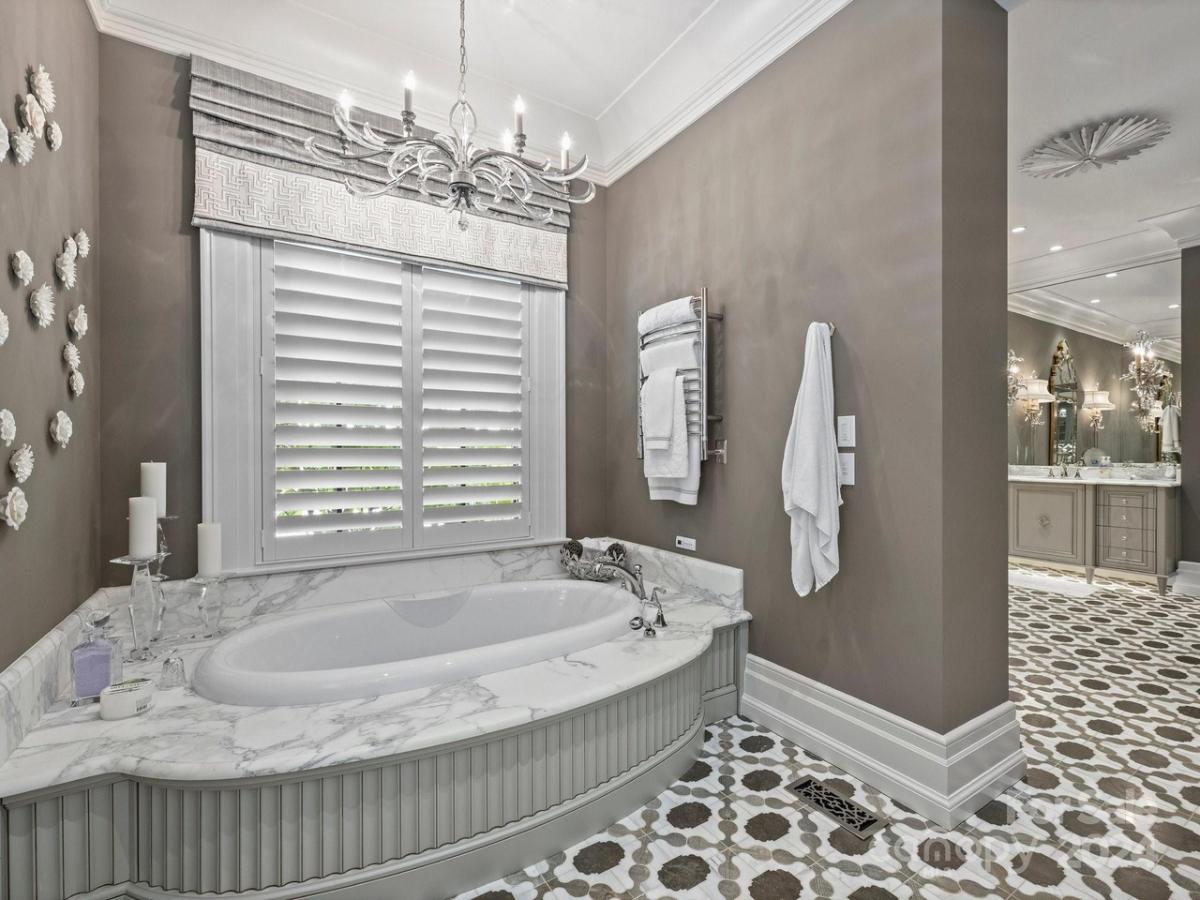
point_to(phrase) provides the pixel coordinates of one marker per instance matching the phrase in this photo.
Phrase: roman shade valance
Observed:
(254, 175)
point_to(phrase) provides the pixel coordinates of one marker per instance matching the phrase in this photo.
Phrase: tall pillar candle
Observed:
(143, 527)
(208, 549)
(154, 484)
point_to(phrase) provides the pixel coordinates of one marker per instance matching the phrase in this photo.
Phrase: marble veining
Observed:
(697, 578)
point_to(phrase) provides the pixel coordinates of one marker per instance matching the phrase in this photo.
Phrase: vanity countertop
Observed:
(186, 737)
(1114, 481)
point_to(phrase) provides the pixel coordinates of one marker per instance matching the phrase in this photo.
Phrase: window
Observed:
(401, 408)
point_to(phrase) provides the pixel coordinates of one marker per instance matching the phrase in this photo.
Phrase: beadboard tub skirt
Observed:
(420, 825)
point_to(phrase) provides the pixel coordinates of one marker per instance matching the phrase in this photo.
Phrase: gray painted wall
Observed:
(818, 191)
(1190, 425)
(1096, 361)
(53, 562)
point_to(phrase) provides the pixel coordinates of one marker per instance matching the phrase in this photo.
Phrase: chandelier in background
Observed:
(449, 168)
(1148, 377)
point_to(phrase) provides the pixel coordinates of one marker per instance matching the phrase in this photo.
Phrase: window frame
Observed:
(237, 346)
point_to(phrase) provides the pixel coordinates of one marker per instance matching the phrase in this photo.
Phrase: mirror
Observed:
(1082, 336)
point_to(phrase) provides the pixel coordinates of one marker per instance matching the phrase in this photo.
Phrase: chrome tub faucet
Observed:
(637, 587)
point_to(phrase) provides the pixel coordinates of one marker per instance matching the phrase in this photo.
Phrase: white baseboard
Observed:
(944, 777)
(1187, 579)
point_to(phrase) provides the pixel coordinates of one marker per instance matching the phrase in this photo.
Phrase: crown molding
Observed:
(1183, 225)
(729, 44)
(1047, 306)
(1140, 248)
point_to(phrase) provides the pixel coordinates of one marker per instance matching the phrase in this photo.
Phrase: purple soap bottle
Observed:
(92, 661)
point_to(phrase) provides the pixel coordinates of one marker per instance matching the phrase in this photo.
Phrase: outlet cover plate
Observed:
(685, 543)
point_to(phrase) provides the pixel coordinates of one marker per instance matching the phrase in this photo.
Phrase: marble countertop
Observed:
(1094, 479)
(186, 737)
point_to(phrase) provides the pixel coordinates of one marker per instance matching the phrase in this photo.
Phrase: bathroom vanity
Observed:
(1125, 523)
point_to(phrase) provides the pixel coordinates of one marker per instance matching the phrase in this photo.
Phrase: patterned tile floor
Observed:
(1108, 691)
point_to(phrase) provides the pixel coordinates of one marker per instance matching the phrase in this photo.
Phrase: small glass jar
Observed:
(92, 661)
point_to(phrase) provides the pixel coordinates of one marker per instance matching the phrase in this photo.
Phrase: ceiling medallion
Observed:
(1094, 146)
(448, 167)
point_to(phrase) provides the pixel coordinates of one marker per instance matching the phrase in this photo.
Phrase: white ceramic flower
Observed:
(4, 141)
(15, 507)
(71, 356)
(23, 143)
(70, 248)
(61, 429)
(64, 267)
(84, 243)
(54, 136)
(8, 427)
(3, 328)
(41, 304)
(42, 87)
(33, 116)
(22, 267)
(77, 383)
(21, 463)
(77, 319)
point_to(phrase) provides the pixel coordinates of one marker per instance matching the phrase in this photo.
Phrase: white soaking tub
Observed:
(372, 647)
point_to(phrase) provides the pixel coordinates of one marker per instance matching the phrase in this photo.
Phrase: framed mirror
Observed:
(1064, 409)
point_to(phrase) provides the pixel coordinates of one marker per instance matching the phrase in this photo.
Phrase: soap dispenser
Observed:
(92, 661)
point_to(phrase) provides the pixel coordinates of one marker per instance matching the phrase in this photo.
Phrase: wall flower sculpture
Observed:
(76, 383)
(70, 248)
(64, 268)
(33, 116)
(78, 320)
(43, 88)
(22, 267)
(41, 304)
(3, 328)
(83, 243)
(8, 427)
(5, 143)
(61, 429)
(14, 508)
(23, 143)
(20, 461)
(54, 136)
(71, 356)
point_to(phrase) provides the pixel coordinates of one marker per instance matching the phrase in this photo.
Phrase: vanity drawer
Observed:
(1125, 516)
(1126, 497)
(1125, 538)
(1127, 558)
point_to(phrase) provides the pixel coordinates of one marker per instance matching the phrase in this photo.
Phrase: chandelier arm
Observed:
(396, 181)
(324, 153)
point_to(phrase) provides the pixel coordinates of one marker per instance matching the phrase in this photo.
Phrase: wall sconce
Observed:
(1096, 404)
(1035, 392)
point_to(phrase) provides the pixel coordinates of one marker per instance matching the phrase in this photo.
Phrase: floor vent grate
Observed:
(858, 820)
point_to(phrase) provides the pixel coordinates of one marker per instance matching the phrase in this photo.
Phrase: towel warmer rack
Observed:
(695, 384)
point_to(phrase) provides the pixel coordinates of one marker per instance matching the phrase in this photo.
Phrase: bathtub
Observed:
(383, 646)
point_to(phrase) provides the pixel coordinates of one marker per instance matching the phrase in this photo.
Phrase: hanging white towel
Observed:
(670, 461)
(683, 490)
(811, 493)
(658, 409)
(1170, 430)
(675, 354)
(674, 312)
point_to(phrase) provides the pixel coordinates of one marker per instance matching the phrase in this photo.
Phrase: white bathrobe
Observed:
(811, 492)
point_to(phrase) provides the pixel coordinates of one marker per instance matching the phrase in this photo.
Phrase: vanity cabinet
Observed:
(1130, 528)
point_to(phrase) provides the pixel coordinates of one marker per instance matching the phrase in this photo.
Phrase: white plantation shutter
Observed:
(339, 433)
(473, 407)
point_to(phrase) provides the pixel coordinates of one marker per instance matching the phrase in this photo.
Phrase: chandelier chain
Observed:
(462, 49)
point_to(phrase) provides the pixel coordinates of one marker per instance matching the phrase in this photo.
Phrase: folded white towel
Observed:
(1170, 430)
(658, 409)
(683, 490)
(674, 312)
(670, 461)
(811, 493)
(675, 354)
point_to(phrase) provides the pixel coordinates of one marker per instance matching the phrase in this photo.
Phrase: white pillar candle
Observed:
(143, 527)
(208, 549)
(519, 116)
(154, 484)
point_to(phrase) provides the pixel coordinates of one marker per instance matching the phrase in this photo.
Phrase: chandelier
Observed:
(448, 168)
(1012, 371)
(1149, 377)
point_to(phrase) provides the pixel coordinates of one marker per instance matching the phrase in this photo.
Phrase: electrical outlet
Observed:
(684, 543)
(845, 468)
(845, 431)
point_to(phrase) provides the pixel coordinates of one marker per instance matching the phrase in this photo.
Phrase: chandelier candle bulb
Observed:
(154, 484)
(346, 102)
(506, 141)
(519, 115)
(143, 527)
(565, 159)
(208, 549)
(410, 85)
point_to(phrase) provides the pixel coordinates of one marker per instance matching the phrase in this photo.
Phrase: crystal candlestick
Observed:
(145, 603)
(211, 602)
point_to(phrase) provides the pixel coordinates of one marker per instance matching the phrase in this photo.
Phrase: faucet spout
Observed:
(637, 587)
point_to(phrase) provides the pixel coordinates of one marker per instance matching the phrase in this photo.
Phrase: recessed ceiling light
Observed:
(1018, 229)
(1173, 306)
(1095, 299)
(1056, 248)
(1112, 275)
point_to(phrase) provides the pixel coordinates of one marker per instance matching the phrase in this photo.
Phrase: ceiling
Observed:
(622, 76)
(1076, 61)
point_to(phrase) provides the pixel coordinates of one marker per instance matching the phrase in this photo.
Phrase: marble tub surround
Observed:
(185, 737)
(680, 574)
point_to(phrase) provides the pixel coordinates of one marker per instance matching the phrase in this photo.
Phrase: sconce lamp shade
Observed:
(1036, 390)
(1097, 400)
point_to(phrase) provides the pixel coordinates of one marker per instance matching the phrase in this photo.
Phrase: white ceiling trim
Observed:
(1183, 226)
(729, 44)
(1140, 248)
(1047, 306)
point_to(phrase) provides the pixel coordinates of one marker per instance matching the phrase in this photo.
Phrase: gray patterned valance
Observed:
(254, 175)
